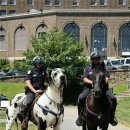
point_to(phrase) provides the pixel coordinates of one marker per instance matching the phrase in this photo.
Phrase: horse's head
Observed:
(98, 82)
(58, 77)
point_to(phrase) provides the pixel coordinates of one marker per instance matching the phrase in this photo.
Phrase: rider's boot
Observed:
(113, 120)
(79, 120)
(25, 117)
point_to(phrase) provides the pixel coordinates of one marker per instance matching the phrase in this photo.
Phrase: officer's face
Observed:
(96, 60)
(38, 65)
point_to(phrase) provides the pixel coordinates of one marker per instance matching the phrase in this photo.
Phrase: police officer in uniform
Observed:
(87, 78)
(35, 80)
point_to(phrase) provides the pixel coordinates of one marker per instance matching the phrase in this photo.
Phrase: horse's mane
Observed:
(98, 74)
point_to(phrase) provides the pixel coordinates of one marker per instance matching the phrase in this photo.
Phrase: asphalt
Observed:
(70, 116)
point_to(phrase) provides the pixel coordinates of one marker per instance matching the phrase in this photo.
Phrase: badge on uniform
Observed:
(29, 72)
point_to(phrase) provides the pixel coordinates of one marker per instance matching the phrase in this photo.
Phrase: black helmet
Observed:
(37, 60)
(95, 55)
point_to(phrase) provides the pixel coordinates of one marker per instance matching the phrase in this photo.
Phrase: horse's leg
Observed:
(92, 127)
(57, 127)
(41, 128)
(24, 128)
(42, 125)
(105, 126)
(84, 127)
(11, 114)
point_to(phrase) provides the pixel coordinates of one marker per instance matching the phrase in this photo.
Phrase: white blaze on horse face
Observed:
(58, 77)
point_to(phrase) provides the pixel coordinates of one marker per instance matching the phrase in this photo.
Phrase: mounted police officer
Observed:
(35, 80)
(87, 79)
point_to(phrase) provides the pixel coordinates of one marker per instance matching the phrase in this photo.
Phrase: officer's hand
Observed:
(39, 91)
(106, 81)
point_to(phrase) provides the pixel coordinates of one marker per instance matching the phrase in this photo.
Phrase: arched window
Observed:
(57, 2)
(48, 2)
(93, 2)
(122, 2)
(20, 38)
(124, 39)
(103, 2)
(73, 30)
(41, 29)
(2, 39)
(99, 39)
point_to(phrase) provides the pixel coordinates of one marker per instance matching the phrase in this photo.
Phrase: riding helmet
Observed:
(95, 55)
(37, 60)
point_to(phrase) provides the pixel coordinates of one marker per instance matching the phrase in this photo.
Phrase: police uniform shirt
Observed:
(37, 78)
(88, 73)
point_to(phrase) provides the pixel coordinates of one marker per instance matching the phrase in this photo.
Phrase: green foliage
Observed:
(4, 64)
(123, 111)
(21, 65)
(120, 88)
(58, 50)
(11, 89)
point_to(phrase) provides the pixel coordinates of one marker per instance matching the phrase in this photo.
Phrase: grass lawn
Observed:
(11, 89)
(122, 113)
(31, 127)
(119, 89)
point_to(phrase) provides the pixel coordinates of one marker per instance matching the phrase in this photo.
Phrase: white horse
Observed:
(48, 110)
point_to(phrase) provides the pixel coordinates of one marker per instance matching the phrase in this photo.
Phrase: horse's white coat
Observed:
(51, 98)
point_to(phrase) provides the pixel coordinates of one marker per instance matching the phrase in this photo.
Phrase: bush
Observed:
(4, 64)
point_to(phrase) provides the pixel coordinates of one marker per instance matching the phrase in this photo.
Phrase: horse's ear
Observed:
(48, 77)
(49, 72)
(65, 71)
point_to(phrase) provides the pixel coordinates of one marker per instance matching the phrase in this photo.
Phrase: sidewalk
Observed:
(71, 115)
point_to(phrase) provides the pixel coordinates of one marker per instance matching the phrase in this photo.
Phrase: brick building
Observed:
(102, 25)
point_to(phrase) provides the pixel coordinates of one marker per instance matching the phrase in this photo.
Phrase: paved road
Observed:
(71, 115)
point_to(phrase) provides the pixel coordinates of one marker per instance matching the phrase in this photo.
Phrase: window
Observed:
(3, 2)
(12, 2)
(47, 2)
(41, 30)
(20, 38)
(122, 2)
(12, 12)
(57, 2)
(2, 39)
(103, 2)
(30, 2)
(2, 12)
(73, 30)
(75, 2)
(124, 39)
(93, 2)
(99, 39)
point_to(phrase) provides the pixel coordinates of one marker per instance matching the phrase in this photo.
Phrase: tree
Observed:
(59, 50)
(4, 64)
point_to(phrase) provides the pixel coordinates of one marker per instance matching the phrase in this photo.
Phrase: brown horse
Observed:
(97, 108)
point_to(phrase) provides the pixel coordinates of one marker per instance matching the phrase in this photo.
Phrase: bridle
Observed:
(47, 110)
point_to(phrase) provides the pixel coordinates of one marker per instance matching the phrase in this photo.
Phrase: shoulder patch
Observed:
(29, 72)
